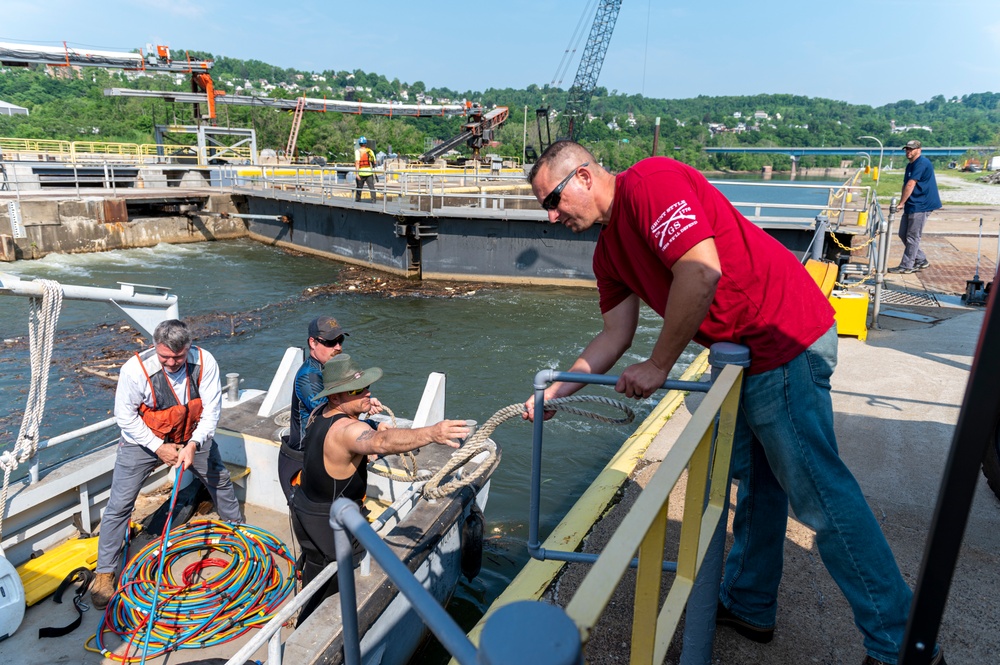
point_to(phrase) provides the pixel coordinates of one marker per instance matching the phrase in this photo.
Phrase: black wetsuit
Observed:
(311, 503)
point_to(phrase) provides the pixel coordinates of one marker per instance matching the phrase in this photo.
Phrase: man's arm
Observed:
(128, 397)
(360, 439)
(695, 277)
(308, 384)
(211, 400)
(907, 190)
(602, 353)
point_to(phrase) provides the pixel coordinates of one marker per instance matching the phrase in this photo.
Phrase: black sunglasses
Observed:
(551, 202)
(357, 392)
(330, 343)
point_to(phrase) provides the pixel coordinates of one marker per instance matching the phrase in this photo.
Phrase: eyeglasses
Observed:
(359, 391)
(330, 343)
(551, 202)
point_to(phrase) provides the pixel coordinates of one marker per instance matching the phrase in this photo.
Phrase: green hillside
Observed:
(619, 131)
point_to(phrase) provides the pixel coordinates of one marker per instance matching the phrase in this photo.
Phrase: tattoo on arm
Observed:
(366, 436)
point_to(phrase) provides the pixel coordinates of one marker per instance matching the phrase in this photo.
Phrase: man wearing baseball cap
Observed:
(336, 448)
(326, 340)
(918, 200)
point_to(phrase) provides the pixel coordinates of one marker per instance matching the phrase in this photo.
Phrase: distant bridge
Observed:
(926, 151)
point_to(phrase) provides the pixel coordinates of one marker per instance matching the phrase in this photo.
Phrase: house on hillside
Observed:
(899, 129)
(6, 108)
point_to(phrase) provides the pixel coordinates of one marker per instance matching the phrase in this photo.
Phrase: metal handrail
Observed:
(542, 380)
(704, 449)
(35, 469)
(270, 633)
(346, 517)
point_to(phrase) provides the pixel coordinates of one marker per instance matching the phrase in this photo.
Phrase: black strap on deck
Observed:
(83, 576)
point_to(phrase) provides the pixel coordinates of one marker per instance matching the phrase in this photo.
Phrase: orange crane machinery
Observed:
(155, 59)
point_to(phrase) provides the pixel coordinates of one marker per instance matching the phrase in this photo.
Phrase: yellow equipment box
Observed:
(42, 575)
(851, 313)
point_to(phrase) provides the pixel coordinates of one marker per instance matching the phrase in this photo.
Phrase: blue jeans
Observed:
(911, 228)
(785, 452)
(133, 465)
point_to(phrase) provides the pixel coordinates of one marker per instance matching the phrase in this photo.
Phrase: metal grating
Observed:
(919, 298)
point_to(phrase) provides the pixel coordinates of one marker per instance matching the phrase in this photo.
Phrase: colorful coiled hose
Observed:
(219, 581)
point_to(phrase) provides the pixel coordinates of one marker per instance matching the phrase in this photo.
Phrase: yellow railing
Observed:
(840, 198)
(49, 146)
(131, 152)
(644, 528)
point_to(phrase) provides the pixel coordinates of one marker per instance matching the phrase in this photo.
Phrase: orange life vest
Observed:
(168, 418)
(363, 160)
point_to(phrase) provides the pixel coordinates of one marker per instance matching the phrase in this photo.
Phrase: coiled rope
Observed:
(235, 579)
(479, 442)
(43, 315)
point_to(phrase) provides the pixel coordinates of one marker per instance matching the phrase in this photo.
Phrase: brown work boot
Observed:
(102, 589)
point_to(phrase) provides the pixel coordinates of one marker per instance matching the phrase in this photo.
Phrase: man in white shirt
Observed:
(167, 405)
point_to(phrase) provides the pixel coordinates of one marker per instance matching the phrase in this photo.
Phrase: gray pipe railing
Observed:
(885, 233)
(522, 632)
(699, 629)
(542, 380)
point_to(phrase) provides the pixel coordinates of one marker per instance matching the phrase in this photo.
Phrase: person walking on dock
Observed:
(364, 165)
(167, 404)
(918, 199)
(672, 240)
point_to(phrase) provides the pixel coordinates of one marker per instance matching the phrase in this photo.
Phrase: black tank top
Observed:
(317, 485)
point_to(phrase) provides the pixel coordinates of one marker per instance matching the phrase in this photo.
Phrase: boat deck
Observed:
(26, 648)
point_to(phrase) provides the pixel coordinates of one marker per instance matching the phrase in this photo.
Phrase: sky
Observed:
(873, 52)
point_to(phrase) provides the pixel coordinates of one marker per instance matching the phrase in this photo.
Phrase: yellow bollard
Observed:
(849, 197)
(875, 174)
(863, 218)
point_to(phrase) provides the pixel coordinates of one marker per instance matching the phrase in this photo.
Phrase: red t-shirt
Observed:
(765, 299)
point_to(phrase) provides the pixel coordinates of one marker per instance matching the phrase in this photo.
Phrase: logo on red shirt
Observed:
(670, 224)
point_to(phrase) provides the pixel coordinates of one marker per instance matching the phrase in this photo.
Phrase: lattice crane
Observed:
(592, 60)
(587, 73)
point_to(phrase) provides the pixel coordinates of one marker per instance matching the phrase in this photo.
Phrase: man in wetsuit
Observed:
(167, 405)
(337, 445)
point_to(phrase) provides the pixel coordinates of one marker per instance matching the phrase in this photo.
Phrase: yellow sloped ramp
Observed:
(41, 576)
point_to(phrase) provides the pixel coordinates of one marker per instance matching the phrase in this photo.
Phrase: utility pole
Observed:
(656, 136)
(524, 138)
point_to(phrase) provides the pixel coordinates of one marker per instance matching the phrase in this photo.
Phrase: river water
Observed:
(247, 302)
(489, 341)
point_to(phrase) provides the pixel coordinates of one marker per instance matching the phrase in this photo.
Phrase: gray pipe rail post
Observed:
(345, 579)
(822, 224)
(530, 631)
(885, 230)
(699, 626)
(345, 516)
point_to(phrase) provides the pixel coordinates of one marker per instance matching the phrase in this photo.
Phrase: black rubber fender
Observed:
(473, 529)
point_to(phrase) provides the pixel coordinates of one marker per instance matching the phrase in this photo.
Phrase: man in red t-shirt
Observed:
(673, 241)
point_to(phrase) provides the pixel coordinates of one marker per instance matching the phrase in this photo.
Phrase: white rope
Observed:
(436, 487)
(42, 318)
